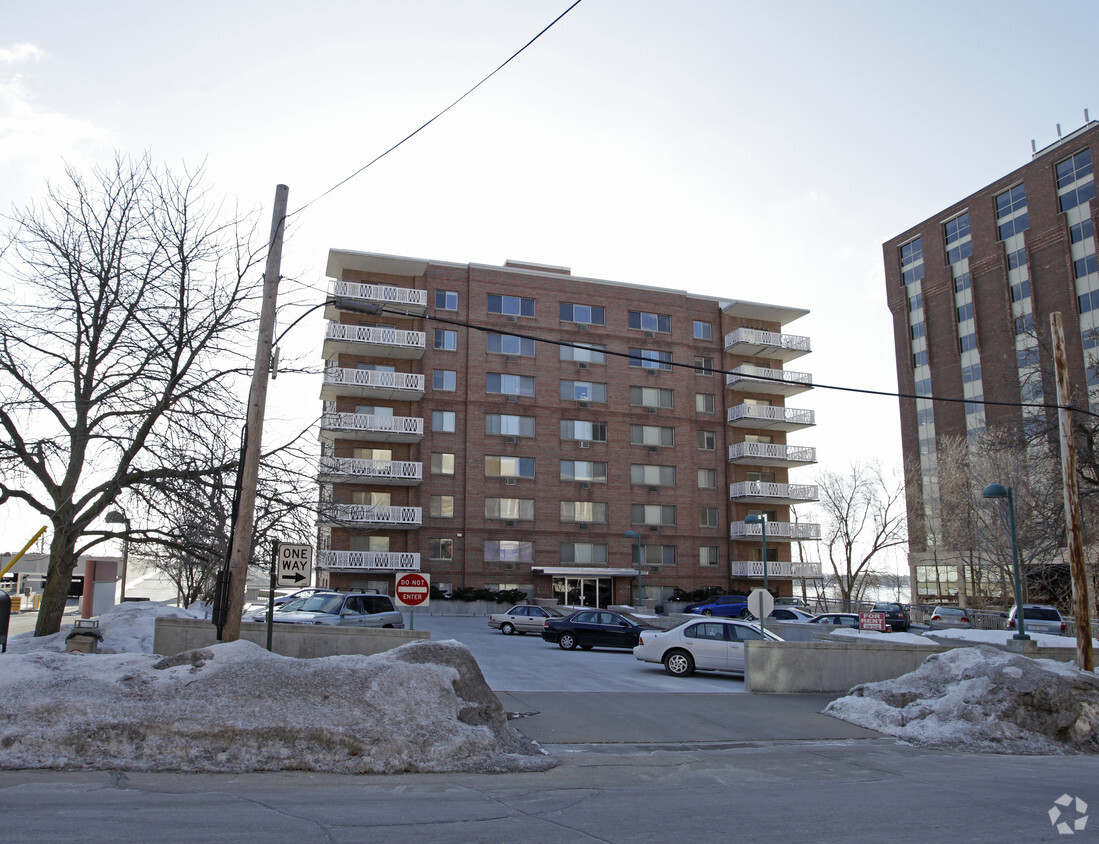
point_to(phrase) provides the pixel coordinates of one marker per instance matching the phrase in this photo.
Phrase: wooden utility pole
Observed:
(1081, 606)
(257, 402)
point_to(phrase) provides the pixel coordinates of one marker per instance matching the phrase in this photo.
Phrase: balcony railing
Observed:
(371, 383)
(373, 340)
(771, 454)
(769, 416)
(372, 514)
(767, 491)
(408, 299)
(400, 472)
(368, 561)
(368, 426)
(752, 342)
(760, 379)
(778, 531)
(754, 568)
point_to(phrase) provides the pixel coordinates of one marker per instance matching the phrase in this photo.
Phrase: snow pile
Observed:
(983, 699)
(234, 707)
(127, 628)
(1001, 637)
(881, 638)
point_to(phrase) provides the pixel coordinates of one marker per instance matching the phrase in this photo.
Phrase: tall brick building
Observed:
(971, 290)
(502, 461)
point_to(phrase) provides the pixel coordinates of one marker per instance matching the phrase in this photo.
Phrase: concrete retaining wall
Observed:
(788, 667)
(175, 635)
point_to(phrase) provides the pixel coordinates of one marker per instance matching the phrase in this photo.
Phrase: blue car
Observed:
(725, 605)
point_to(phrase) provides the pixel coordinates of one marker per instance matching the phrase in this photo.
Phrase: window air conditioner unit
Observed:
(650, 372)
(650, 410)
(582, 526)
(512, 398)
(581, 327)
(509, 524)
(654, 569)
(585, 444)
(585, 404)
(652, 448)
(509, 439)
(510, 318)
(510, 358)
(653, 488)
(580, 364)
(585, 485)
(509, 566)
(510, 481)
(654, 528)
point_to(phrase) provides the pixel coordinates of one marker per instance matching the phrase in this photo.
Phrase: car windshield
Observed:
(290, 606)
(1041, 614)
(323, 603)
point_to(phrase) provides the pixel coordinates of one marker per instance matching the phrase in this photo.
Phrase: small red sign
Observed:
(872, 621)
(413, 589)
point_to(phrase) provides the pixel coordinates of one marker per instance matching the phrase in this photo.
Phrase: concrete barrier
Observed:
(796, 667)
(175, 635)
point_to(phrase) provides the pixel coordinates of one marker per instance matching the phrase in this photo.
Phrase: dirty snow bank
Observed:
(126, 628)
(234, 707)
(982, 699)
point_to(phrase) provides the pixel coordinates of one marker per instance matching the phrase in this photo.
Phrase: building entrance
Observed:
(583, 591)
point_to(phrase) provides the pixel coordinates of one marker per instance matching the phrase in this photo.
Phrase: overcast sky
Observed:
(760, 151)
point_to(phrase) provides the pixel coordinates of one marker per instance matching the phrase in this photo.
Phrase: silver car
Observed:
(949, 618)
(711, 644)
(1038, 618)
(350, 609)
(523, 618)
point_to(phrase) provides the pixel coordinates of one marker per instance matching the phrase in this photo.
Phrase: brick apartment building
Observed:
(971, 290)
(486, 459)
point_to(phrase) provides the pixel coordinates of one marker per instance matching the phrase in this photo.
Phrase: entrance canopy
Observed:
(583, 571)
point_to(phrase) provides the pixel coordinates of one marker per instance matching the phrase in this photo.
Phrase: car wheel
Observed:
(678, 663)
(507, 628)
(707, 612)
(566, 641)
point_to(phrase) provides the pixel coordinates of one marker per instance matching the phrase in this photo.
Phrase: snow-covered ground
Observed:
(1001, 637)
(881, 638)
(236, 707)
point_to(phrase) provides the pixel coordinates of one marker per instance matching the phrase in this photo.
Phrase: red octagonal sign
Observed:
(413, 589)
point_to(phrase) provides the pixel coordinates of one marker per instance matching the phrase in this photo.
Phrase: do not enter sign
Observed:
(413, 590)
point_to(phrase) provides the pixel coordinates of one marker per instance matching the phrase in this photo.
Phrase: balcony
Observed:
(370, 515)
(771, 454)
(370, 428)
(776, 531)
(373, 341)
(372, 384)
(767, 417)
(753, 343)
(760, 379)
(406, 301)
(368, 561)
(355, 470)
(754, 568)
(766, 492)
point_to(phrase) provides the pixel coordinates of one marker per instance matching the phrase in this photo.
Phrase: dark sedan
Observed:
(895, 615)
(593, 629)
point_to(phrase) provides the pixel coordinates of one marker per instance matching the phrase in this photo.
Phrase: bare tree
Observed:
(126, 298)
(864, 515)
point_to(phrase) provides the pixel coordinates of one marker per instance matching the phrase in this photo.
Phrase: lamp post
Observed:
(118, 517)
(761, 520)
(1001, 491)
(634, 534)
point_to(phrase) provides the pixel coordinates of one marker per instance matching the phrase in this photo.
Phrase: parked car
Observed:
(301, 593)
(345, 609)
(785, 614)
(723, 605)
(792, 602)
(837, 619)
(289, 606)
(1038, 618)
(946, 618)
(715, 644)
(896, 616)
(522, 618)
(592, 629)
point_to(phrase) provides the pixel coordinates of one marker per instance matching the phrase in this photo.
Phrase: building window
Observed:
(509, 385)
(647, 474)
(511, 509)
(369, 543)
(371, 499)
(443, 421)
(500, 466)
(707, 555)
(912, 261)
(584, 314)
(959, 245)
(580, 429)
(704, 403)
(508, 344)
(508, 551)
(1024, 324)
(442, 506)
(650, 359)
(707, 478)
(446, 300)
(440, 549)
(651, 322)
(707, 440)
(704, 366)
(1075, 183)
(966, 343)
(583, 470)
(589, 512)
(650, 397)
(965, 312)
(506, 425)
(1082, 231)
(654, 515)
(584, 391)
(661, 555)
(652, 435)
(584, 353)
(920, 358)
(583, 552)
(442, 463)
(444, 379)
(510, 305)
(446, 340)
(702, 330)
(707, 517)
(1085, 266)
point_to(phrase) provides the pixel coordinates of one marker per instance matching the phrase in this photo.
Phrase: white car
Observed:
(523, 618)
(709, 644)
(786, 614)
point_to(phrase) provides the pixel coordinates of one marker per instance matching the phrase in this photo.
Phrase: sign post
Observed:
(413, 590)
(291, 565)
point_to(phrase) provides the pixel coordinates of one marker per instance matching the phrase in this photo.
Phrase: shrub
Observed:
(696, 595)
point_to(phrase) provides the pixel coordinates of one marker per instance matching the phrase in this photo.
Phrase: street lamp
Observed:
(633, 534)
(117, 517)
(761, 520)
(1001, 491)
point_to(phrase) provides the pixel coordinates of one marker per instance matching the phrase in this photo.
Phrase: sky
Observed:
(733, 149)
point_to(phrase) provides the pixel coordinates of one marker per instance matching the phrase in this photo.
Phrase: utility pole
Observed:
(257, 402)
(1081, 606)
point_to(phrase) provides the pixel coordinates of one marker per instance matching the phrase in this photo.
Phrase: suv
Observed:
(346, 609)
(895, 615)
(1038, 618)
(721, 605)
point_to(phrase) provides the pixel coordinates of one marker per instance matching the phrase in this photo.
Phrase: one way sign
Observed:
(294, 564)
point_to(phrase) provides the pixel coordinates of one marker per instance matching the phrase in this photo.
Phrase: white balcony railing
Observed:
(754, 568)
(768, 344)
(375, 514)
(404, 428)
(769, 416)
(371, 382)
(771, 454)
(381, 470)
(769, 491)
(779, 531)
(760, 379)
(365, 338)
(368, 561)
(381, 294)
